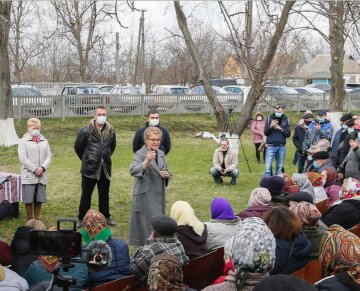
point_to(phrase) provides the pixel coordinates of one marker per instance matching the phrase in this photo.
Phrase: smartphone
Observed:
(61, 243)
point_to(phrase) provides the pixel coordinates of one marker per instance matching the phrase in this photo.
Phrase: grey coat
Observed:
(352, 164)
(148, 195)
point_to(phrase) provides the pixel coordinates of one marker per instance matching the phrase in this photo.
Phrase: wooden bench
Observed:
(323, 206)
(311, 272)
(123, 284)
(355, 229)
(204, 270)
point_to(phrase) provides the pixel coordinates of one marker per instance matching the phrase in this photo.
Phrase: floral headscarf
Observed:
(315, 179)
(307, 212)
(290, 186)
(95, 227)
(339, 250)
(253, 249)
(351, 189)
(184, 214)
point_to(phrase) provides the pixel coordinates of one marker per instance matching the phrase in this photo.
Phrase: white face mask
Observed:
(310, 158)
(259, 118)
(101, 119)
(35, 132)
(153, 122)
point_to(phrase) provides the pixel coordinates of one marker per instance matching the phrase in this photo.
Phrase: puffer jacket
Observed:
(291, 255)
(194, 244)
(312, 136)
(33, 155)
(119, 267)
(94, 149)
(257, 128)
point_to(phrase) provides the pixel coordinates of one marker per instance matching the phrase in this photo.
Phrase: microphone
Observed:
(97, 256)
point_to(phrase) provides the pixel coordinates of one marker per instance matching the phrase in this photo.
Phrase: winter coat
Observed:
(336, 145)
(277, 137)
(314, 235)
(138, 140)
(298, 137)
(252, 279)
(351, 164)
(194, 244)
(346, 148)
(338, 282)
(13, 282)
(312, 136)
(94, 149)
(148, 195)
(332, 192)
(346, 214)
(33, 155)
(231, 160)
(254, 211)
(219, 231)
(291, 255)
(37, 273)
(257, 128)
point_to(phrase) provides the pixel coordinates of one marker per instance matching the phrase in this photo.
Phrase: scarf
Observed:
(184, 214)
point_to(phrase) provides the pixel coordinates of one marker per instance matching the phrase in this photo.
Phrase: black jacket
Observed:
(339, 282)
(138, 141)
(274, 136)
(346, 214)
(345, 148)
(194, 244)
(95, 150)
(298, 137)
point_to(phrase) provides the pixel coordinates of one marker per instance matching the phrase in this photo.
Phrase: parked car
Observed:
(323, 86)
(125, 90)
(223, 82)
(105, 89)
(281, 94)
(124, 98)
(171, 90)
(31, 96)
(233, 89)
(310, 97)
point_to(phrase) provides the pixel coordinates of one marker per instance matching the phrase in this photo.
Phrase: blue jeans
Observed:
(277, 153)
(217, 175)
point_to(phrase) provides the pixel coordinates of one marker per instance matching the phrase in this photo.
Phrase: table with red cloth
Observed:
(11, 190)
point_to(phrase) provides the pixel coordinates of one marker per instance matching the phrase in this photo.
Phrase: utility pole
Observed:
(117, 62)
(140, 50)
(143, 52)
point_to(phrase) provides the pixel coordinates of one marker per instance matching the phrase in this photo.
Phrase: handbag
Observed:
(262, 146)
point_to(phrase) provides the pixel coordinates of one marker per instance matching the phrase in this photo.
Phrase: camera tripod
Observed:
(224, 131)
(61, 281)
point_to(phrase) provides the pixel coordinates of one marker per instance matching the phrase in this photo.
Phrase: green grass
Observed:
(189, 160)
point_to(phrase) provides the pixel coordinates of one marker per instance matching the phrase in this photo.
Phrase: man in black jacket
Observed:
(298, 139)
(152, 120)
(94, 145)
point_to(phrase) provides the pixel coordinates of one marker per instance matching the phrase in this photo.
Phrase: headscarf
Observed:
(221, 209)
(307, 212)
(331, 177)
(339, 250)
(351, 189)
(184, 214)
(304, 183)
(275, 184)
(165, 273)
(95, 227)
(290, 186)
(253, 249)
(259, 196)
(315, 179)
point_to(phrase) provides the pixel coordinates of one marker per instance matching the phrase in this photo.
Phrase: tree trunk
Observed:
(203, 77)
(257, 88)
(8, 135)
(337, 42)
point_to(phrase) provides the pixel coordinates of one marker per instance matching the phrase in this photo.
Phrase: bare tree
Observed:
(203, 76)
(8, 135)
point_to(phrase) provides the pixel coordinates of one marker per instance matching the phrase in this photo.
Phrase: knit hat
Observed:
(346, 117)
(165, 273)
(221, 209)
(184, 214)
(290, 186)
(253, 249)
(307, 212)
(274, 184)
(35, 224)
(315, 179)
(282, 282)
(95, 227)
(339, 250)
(259, 196)
(5, 254)
(350, 189)
(322, 155)
(300, 197)
(164, 225)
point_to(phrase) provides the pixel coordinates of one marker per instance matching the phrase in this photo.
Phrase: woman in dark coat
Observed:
(346, 212)
(191, 232)
(149, 168)
(293, 249)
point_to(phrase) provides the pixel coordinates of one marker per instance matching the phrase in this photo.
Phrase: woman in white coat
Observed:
(35, 157)
(151, 177)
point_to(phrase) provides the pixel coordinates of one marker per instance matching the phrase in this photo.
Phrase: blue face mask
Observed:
(278, 114)
(350, 130)
(344, 126)
(321, 120)
(316, 165)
